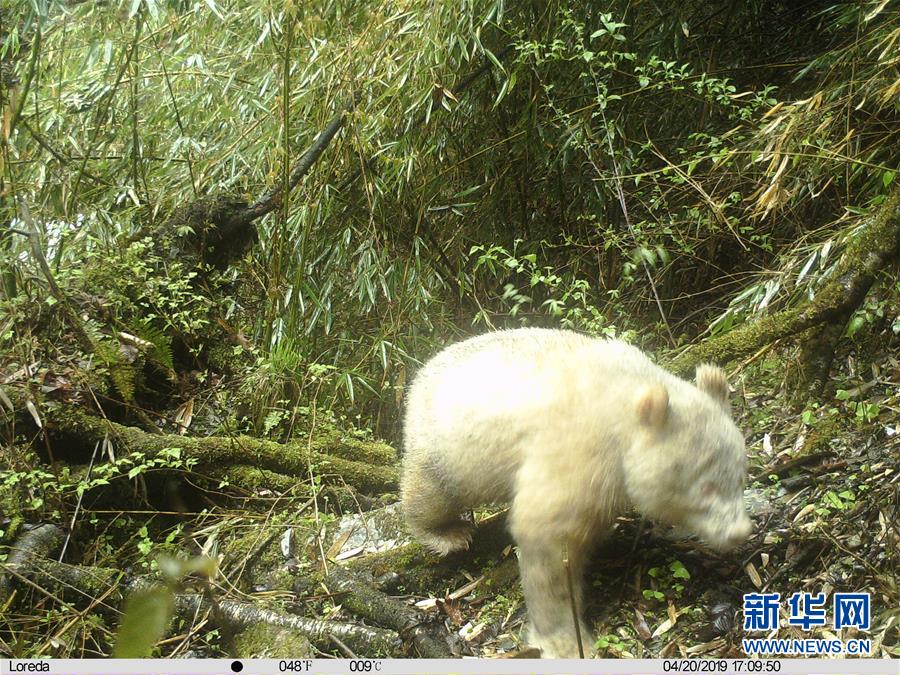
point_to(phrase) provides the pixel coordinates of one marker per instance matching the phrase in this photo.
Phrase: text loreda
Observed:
(29, 667)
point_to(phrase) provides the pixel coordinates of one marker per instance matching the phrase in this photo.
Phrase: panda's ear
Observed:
(711, 379)
(653, 406)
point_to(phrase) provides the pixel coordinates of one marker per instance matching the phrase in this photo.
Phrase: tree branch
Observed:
(270, 201)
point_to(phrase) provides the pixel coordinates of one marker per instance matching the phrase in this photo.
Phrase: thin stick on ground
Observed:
(571, 586)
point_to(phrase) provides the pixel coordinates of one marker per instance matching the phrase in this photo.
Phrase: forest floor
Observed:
(306, 554)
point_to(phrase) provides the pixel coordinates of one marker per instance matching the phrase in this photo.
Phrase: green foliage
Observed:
(160, 351)
(146, 293)
(609, 640)
(652, 594)
(149, 611)
(110, 360)
(678, 570)
(668, 579)
(382, 253)
(535, 292)
(864, 412)
(48, 489)
(839, 500)
(144, 622)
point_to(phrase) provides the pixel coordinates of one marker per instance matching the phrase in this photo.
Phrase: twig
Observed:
(61, 158)
(344, 648)
(572, 603)
(34, 240)
(77, 510)
(621, 195)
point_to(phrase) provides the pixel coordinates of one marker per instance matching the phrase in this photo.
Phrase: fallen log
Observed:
(366, 601)
(334, 461)
(107, 589)
(38, 542)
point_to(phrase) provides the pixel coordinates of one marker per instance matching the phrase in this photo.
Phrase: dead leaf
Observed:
(53, 382)
(349, 553)
(451, 608)
(34, 413)
(706, 647)
(640, 626)
(805, 511)
(338, 544)
(753, 574)
(667, 650)
(663, 628)
(792, 550)
(774, 109)
(128, 338)
(673, 614)
(470, 633)
(184, 415)
(108, 449)
(287, 542)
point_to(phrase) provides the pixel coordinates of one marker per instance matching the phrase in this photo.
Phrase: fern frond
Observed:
(161, 351)
(120, 373)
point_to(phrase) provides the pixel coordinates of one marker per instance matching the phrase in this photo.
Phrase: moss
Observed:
(76, 583)
(256, 480)
(262, 641)
(11, 503)
(422, 570)
(821, 437)
(291, 458)
(332, 441)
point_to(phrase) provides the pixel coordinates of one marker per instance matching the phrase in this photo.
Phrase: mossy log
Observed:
(415, 569)
(367, 466)
(81, 587)
(38, 542)
(869, 252)
(365, 600)
(265, 641)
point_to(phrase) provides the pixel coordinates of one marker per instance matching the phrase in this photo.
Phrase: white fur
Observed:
(570, 430)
